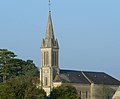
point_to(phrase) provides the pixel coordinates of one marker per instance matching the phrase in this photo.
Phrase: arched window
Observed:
(47, 58)
(86, 94)
(46, 81)
(80, 94)
(44, 58)
(55, 58)
(52, 58)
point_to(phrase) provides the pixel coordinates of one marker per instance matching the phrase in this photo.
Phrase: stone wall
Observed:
(94, 91)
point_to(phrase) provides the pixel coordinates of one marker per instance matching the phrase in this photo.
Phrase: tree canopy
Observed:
(64, 92)
(20, 88)
(18, 78)
(10, 66)
(5, 57)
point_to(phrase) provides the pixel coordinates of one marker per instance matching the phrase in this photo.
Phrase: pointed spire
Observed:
(49, 30)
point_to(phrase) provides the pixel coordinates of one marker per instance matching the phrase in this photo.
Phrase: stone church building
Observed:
(90, 85)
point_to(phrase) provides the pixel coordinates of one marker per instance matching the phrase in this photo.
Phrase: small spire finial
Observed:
(49, 6)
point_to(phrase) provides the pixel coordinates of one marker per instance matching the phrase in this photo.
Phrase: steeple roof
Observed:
(49, 40)
(49, 29)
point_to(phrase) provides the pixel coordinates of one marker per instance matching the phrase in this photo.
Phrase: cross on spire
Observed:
(49, 5)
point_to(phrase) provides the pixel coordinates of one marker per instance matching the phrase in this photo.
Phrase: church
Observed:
(89, 84)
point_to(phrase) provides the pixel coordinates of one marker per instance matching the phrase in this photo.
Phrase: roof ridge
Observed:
(86, 77)
(83, 71)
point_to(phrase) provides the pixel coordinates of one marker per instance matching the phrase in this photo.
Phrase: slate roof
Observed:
(69, 76)
(86, 77)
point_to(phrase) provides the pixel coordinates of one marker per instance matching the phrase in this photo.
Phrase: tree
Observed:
(5, 57)
(30, 69)
(20, 88)
(64, 92)
(20, 67)
(10, 66)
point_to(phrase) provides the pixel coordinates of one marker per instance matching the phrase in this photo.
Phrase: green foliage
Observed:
(11, 67)
(5, 57)
(64, 92)
(18, 78)
(20, 88)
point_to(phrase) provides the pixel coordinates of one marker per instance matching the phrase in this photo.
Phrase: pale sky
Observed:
(88, 32)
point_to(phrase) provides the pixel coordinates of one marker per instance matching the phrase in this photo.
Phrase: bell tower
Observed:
(49, 58)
